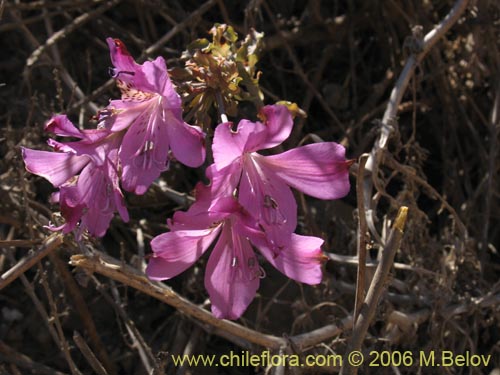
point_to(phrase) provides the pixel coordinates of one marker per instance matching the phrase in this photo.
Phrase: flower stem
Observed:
(220, 106)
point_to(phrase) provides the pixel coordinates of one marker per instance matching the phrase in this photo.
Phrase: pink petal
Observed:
(96, 222)
(118, 198)
(71, 209)
(174, 252)
(279, 124)
(187, 142)
(125, 65)
(232, 275)
(120, 114)
(319, 169)
(229, 145)
(199, 216)
(171, 99)
(251, 136)
(223, 184)
(62, 126)
(269, 200)
(153, 77)
(95, 191)
(56, 167)
(144, 153)
(300, 261)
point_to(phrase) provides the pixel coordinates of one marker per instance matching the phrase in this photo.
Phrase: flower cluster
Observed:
(248, 204)
(131, 144)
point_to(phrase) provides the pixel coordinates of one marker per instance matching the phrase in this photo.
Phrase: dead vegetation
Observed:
(86, 307)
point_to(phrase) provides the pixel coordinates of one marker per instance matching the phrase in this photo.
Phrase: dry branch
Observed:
(396, 96)
(377, 286)
(50, 244)
(127, 275)
(65, 31)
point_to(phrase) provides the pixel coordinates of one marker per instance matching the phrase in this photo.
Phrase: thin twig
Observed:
(116, 270)
(410, 174)
(220, 106)
(353, 261)
(49, 245)
(82, 311)
(398, 91)
(9, 355)
(362, 240)
(188, 21)
(65, 31)
(70, 82)
(88, 354)
(64, 345)
(150, 50)
(377, 286)
(19, 243)
(140, 344)
(300, 72)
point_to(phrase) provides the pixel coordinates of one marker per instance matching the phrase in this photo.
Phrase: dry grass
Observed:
(339, 60)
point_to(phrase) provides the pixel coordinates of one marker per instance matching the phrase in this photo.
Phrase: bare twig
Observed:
(19, 243)
(64, 345)
(116, 270)
(9, 355)
(410, 174)
(65, 31)
(179, 27)
(300, 72)
(398, 91)
(50, 244)
(353, 261)
(139, 343)
(82, 311)
(127, 275)
(88, 354)
(375, 291)
(151, 49)
(70, 82)
(362, 240)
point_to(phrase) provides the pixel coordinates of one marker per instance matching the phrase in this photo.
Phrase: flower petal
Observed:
(229, 145)
(153, 77)
(62, 126)
(279, 124)
(269, 200)
(174, 252)
(118, 198)
(186, 142)
(71, 209)
(319, 170)
(56, 167)
(124, 64)
(120, 114)
(144, 153)
(232, 275)
(300, 261)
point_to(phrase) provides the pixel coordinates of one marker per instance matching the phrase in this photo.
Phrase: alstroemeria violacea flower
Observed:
(262, 183)
(233, 273)
(86, 174)
(150, 113)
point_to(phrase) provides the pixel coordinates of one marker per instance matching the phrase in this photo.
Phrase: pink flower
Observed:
(233, 272)
(86, 174)
(150, 112)
(262, 183)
